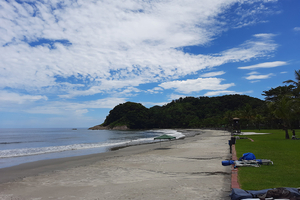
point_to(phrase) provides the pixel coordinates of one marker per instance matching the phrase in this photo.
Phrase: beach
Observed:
(189, 168)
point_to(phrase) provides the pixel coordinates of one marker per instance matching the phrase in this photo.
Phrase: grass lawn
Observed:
(284, 153)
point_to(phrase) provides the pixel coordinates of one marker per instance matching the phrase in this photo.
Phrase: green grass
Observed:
(284, 153)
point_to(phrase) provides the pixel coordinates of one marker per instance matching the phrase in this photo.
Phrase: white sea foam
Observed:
(43, 150)
(55, 149)
(171, 132)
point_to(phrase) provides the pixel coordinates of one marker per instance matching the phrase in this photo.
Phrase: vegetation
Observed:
(189, 112)
(284, 153)
(134, 115)
(284, 104)
(281, 109)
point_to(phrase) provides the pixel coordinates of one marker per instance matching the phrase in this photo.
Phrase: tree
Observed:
(189, 112)
(284, 109)
(134, 115)
(297, 77)
(247, 114)
(295, 83)
(274, 93)
(228, 116)
(258, 120)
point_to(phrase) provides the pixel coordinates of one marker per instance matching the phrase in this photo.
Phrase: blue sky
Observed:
(68, 63)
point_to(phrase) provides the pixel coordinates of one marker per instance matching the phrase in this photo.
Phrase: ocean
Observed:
(19, 146)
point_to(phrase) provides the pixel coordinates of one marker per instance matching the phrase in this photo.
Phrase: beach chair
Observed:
(247, 160)
(264, 161)
(247, 163)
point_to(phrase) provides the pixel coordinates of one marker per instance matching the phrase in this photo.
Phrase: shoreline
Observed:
(34, 168)
(14, 158)
(186, 132)
(137, 166)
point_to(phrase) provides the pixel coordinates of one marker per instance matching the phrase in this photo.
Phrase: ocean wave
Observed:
(17, 142)
(10, 142)
(53, 149)
(171, 132)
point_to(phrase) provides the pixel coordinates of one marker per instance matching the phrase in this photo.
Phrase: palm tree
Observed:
(295, 83)
(274, 93)
(258, 120)
(246, 113)
(284, 109)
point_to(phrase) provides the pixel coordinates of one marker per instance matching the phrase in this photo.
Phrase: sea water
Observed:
(19, 146)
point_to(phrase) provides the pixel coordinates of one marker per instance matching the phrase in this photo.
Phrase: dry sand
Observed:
(183, 169)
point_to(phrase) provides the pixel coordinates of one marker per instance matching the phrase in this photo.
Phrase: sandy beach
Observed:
(181, 169)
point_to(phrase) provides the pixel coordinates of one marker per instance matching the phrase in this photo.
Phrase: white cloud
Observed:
(225, 92)
(177, 64)
(254, 48)
(114, 44)
(248, 13)
(196, 85)
(265, 65)
(297, 29)
(176, 96)
(222, 92)
(265, 35)
(67, 108)
(39, 104)
(151, 104)
(15, 98)
(259, 76)
(107, 86)
(253, 73)
(113, 49)
(212, 74)
(155, 90)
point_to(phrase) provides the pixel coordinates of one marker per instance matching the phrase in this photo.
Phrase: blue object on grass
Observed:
(227, 162)
(248, 156)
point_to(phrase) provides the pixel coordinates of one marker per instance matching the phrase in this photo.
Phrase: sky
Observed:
(67, 63)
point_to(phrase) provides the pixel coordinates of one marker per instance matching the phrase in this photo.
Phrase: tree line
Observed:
(284, 105)
(280, 109)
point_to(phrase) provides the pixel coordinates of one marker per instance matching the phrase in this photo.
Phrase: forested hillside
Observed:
(281, 109)
(189, 112)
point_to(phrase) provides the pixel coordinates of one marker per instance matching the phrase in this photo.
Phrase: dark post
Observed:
(236, 125)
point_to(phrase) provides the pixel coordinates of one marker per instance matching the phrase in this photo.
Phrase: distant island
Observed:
(188, 112)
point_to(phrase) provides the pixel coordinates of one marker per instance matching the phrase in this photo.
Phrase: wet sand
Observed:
(181, 169)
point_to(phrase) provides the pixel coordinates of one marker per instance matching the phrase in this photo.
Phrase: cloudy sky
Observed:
(67, 63)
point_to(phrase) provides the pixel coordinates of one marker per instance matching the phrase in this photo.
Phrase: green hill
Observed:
(189, 112)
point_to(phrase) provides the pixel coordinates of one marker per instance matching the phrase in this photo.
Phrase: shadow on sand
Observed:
(162, 148)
